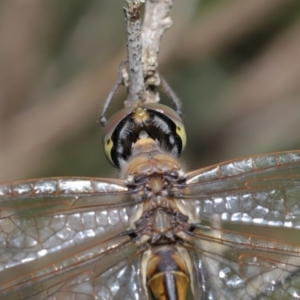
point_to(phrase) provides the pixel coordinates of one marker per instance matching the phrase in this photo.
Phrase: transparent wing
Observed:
(46, 216)
(259, 190)
(60, 237)
(262, 190)
(105, 271)
(231, 265)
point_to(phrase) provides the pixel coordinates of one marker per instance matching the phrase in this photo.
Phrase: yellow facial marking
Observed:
(181, 132)
(107, 149)
(140, 115)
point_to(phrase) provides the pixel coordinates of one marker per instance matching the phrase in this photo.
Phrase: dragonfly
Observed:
(157, 231)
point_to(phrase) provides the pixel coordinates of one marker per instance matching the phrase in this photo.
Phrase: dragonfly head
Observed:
(129, 132)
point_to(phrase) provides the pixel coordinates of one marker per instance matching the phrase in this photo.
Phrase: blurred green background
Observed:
(235, 64)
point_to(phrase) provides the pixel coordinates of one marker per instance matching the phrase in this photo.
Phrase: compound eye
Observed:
(174, 117)
(110, 128)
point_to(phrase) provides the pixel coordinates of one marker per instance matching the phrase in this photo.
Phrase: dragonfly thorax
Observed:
(152, 171)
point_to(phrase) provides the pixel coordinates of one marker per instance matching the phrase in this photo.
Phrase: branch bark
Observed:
(136, 87)
(143, 47)
(157, 20)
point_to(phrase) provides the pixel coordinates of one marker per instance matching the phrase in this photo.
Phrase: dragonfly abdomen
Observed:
(167, 274)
